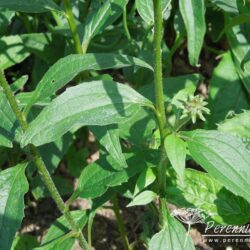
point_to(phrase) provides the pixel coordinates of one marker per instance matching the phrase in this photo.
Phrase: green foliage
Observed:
(107, 100)
(238, 125)
(56, 237)
(98, 20)
(8, 123)
(145, 9)
(226, 91)
(12, 51)
(143, 198)
(14, 185)
(224, 157)
(29, 6)
(173, 235)
(210, 197)
(72, 65)
(99, 176)
(108, 136)
(114, 103)
(176, 152)
(193, 14)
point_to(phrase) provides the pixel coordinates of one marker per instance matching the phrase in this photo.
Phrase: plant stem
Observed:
(125, 24)
(159, 103)
(159, 100)
(120, 223)
(40, 163)
(72, 25)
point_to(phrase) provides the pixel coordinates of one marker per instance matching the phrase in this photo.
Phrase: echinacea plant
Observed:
(99, 104)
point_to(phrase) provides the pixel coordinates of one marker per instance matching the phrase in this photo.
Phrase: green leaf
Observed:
(99, 176)
(108, 136)
(39, 191)
(76, 160)
(171, 86)
(193, 14)
(49, 47)
(210, 197)
(224, 157)
(13, 186)
(229, 6)
(11, 51)
(145, 178)
(245, 60)
(53, 153)
(29, 6)
(238, 125)
(226, 91)
(26, 242)
(146, 10)
(61, 228)
(113, 103)
(6, 17)
(72, 65)
(240, 46)
(172, 237)
(99, 19)
(143, 199)
(19, 83)
(24, 98)
(9, 128)
(138, 130)
(176, 152)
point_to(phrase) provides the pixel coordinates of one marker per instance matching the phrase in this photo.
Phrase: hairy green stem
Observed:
(159, 103)
(120, 224)
(158, 32)
(72, 25)
(36, 157)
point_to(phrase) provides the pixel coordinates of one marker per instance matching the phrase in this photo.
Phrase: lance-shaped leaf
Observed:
(99, 176)
(12, 51)
(224, 157)
(8, 123)
(58, 236)
(5, 20)
(70, 66)
(98, 20)
(145, 178)
(90, 103)
(146, 10)
(29, 6)
(214, 201)
(176, 152)
(19, 83)
(240, 47)
(108, 136)
(13, 186)
(226, 91)
(143, 198)
(173, 236)
(193, 14)
(227, 5)
(238, 125)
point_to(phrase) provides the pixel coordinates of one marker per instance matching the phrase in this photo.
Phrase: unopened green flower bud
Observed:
(194, 106)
